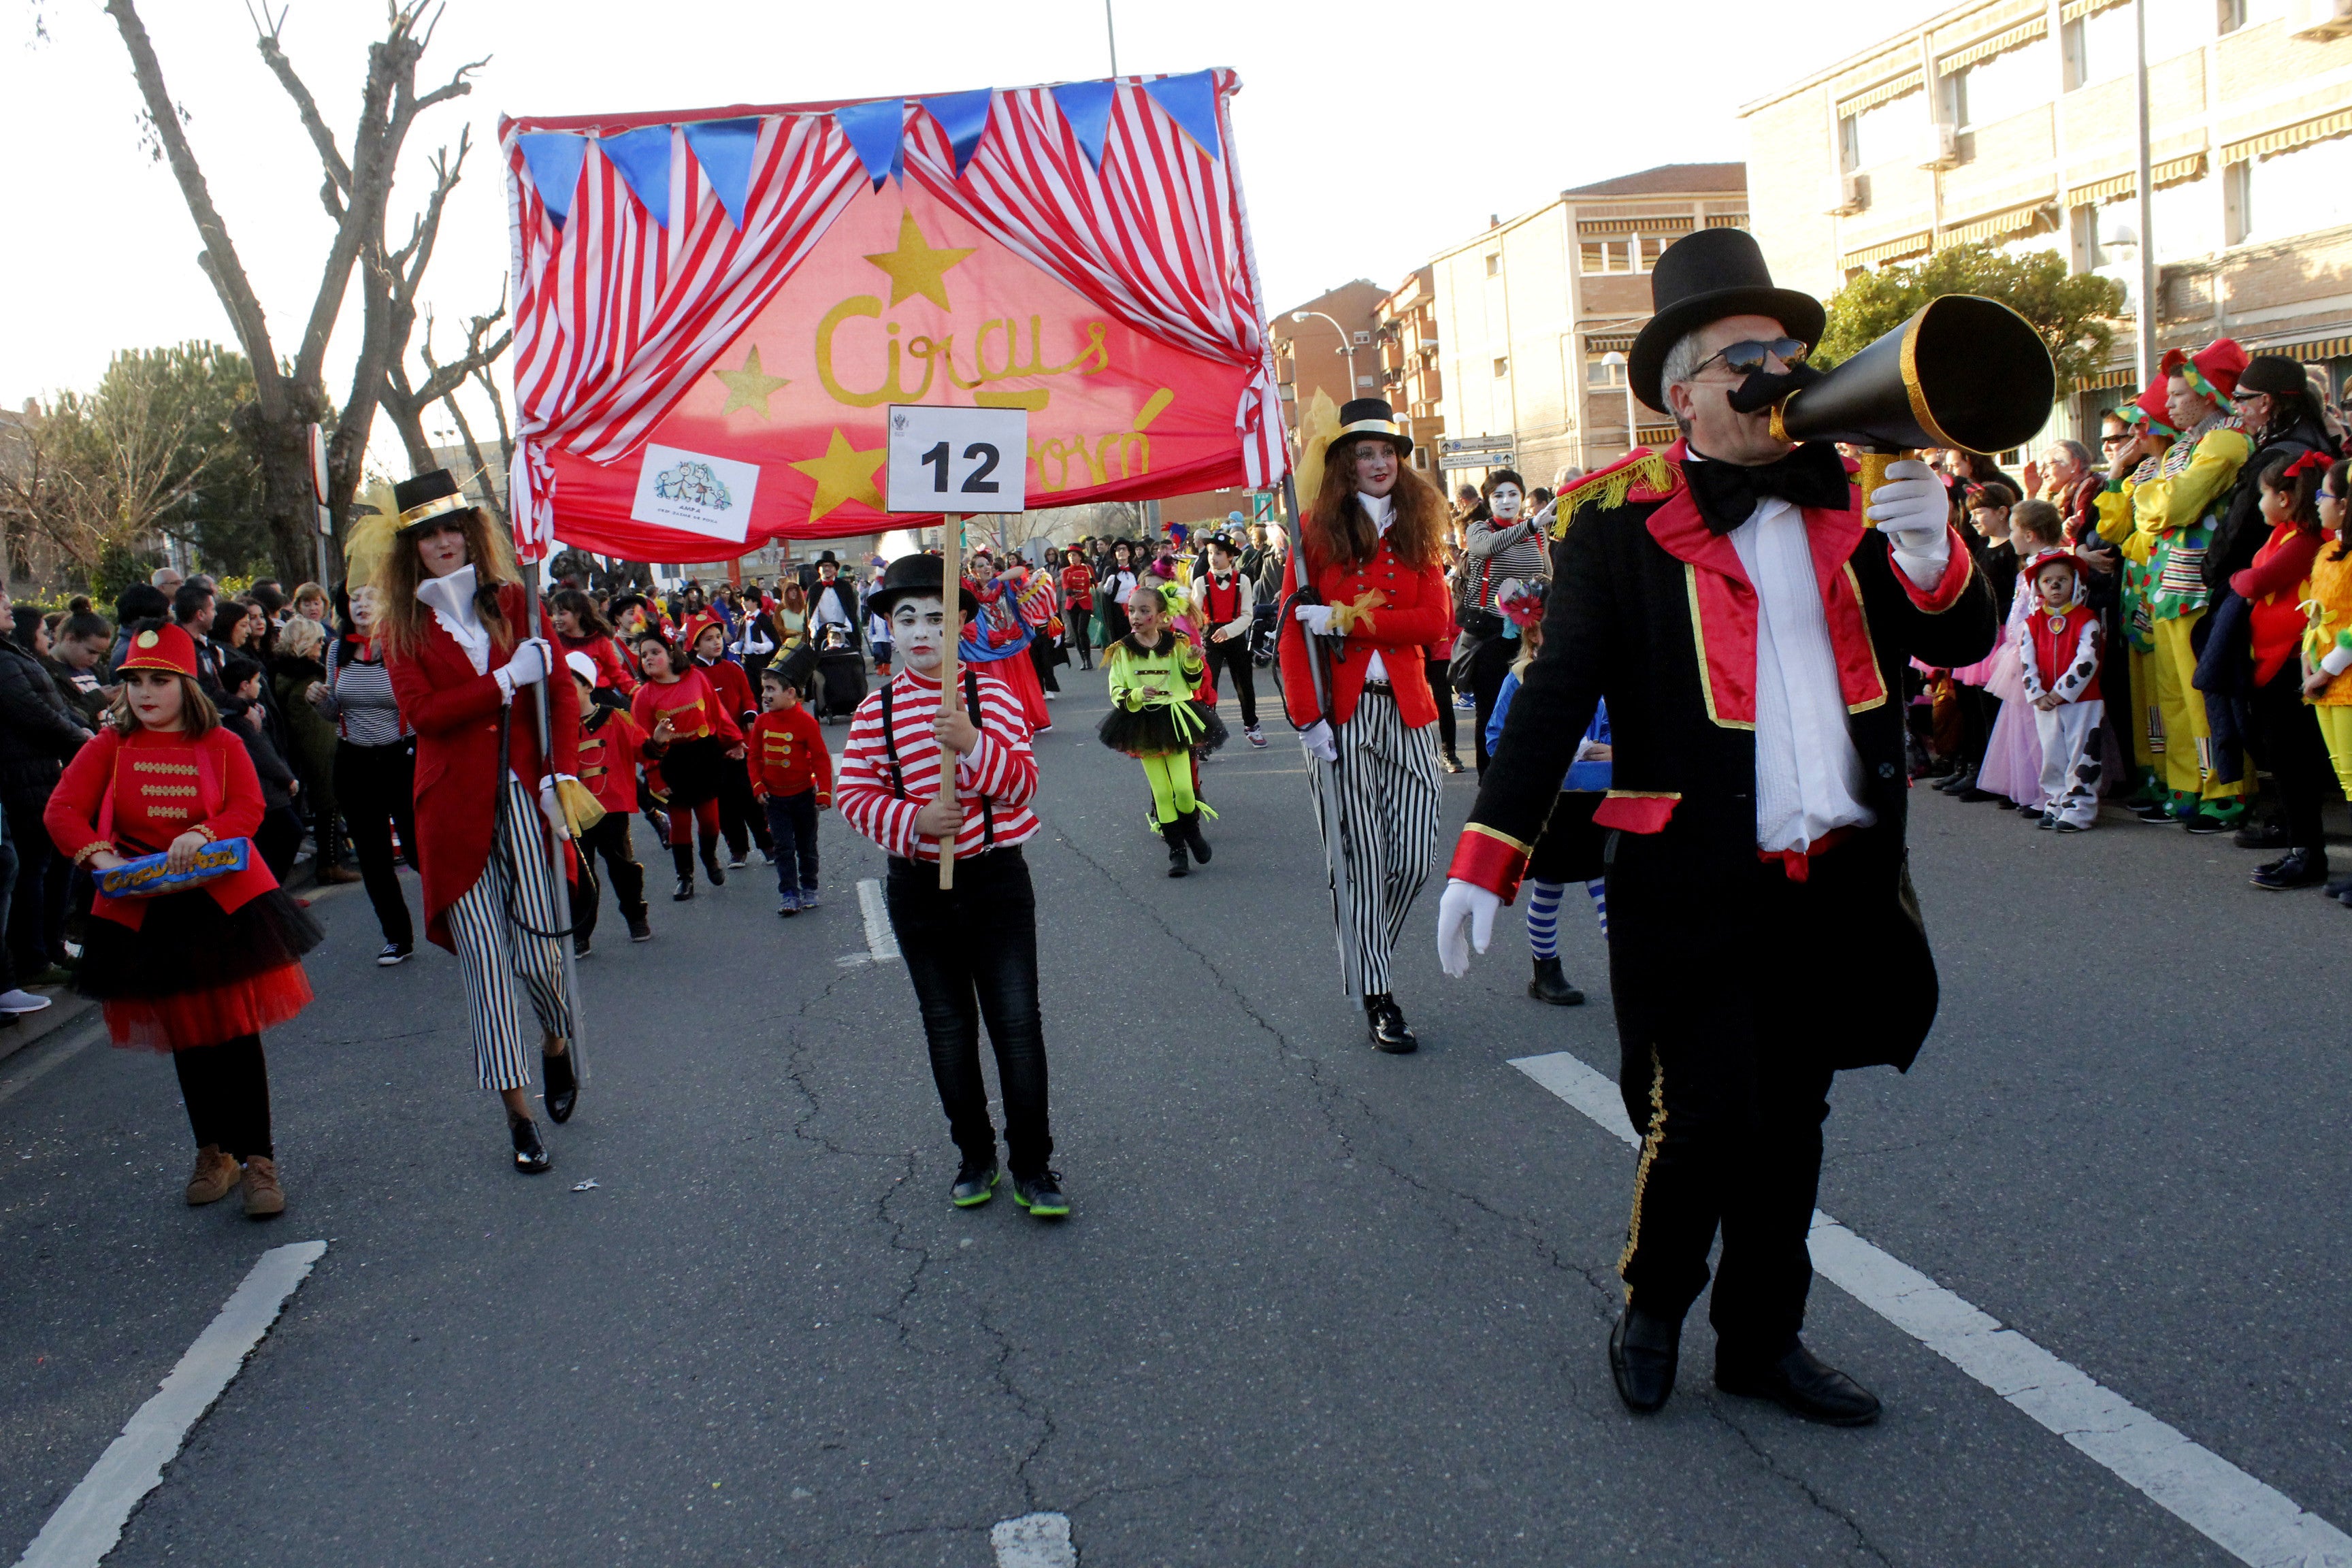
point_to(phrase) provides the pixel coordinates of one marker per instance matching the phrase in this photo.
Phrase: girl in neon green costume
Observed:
(1154, 720)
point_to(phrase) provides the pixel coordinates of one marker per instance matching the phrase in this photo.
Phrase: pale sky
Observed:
(1371, 136)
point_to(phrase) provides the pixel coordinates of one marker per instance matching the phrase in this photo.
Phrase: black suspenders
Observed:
(898, 775)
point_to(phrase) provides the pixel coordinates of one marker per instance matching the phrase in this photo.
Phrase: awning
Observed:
(2077, 9)
(1892, 250)
(1887, 92)
(2104, 380)
(1594, 228)
(2171, 171)
(1727, 220)
(2311, 351)
(2288, 138)
(2040, 218)
(1999, 43)
(1606, 343)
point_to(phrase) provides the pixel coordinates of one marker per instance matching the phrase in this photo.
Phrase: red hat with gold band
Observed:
(162, 647)
(696, 625)
(2212, 371)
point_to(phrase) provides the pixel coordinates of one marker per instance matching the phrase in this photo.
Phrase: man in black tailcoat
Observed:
(1748, 615)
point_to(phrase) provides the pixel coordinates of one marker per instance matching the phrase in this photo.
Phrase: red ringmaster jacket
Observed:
(1402, 609)
(142, 792)
(455, 713)
(788, 756)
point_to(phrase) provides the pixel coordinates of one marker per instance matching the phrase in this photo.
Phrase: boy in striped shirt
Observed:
(971, 951)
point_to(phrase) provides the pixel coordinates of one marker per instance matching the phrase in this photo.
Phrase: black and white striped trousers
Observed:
(1388, 800)
(495, 951)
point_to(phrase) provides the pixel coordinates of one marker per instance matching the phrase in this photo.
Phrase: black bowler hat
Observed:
(426, 497)
(1703, 278)
(1372, 417)
(914, 576)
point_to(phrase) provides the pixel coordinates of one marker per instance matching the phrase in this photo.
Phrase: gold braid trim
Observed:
(1613, 484)
(82, 855)
(1650, 1141)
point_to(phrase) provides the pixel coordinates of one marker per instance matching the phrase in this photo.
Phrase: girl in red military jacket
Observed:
(740, 820)
(694, 737)
(611, 746)
(1376, 598)
(580, 628)
(454, 619)
(200, 972)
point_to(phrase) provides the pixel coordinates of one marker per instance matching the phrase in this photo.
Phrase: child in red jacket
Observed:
(611, 745)
(738, 814)
(791, 772)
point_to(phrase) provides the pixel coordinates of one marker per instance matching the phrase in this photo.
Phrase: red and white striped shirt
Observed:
(1002, 771)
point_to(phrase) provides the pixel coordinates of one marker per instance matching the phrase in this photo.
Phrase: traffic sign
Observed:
(957, 460)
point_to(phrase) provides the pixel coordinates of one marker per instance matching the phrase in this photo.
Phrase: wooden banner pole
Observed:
(950, 676)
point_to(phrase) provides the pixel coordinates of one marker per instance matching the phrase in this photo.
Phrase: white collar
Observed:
(451, 600)
(1381, 510)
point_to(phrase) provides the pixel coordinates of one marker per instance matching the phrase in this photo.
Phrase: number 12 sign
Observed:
(958, 459)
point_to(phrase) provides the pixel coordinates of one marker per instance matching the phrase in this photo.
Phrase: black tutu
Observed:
(188, 942)
(689, 770)
(1151, 731)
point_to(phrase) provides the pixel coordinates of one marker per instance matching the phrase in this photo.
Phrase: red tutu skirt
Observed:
(1021, 675)
(194, 974)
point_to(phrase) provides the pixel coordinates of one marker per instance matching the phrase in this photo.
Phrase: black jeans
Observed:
(1489, 666)
(36, 905)
(609, 838)
(971, 953)
(1076, 635)
(376, 788)
(279, 839)
(226, 1087)
(1441, 686)
(738, 810)
(791, 823)
(2285, 739)
(1233, 656)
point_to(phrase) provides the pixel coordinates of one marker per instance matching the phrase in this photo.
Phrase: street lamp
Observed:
(1616, 362)
(1346, 344)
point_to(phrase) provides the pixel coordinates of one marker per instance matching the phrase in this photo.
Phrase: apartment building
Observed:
(1534, 317)
(1409, 376)
(2012, 122)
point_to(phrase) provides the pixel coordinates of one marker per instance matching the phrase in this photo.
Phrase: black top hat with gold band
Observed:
(1706, 277)
(426, 497)
(1372, 417)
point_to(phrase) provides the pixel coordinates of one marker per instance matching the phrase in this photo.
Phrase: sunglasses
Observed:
(2113, 440)
(1747, 358)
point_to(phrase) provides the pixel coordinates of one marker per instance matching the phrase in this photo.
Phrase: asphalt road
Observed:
(1315, 1305)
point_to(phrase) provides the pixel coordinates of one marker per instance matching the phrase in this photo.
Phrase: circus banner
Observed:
(714, 314)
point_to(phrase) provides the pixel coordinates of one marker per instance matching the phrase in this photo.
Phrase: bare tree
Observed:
(290, 391)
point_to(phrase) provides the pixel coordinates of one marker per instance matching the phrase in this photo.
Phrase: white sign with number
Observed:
(957, 460)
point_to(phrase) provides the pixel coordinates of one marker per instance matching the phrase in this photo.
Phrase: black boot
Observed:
(1385, 1019)
(682, 856)
(563, 1087)
(711, 867)
(1173, 832)
(1190, 823)
(1551, 985)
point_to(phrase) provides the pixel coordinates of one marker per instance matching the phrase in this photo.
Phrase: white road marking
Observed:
(880, 940)
(55, 1057)
(1034, 1540)
(2251, 1521)
(87, 1525)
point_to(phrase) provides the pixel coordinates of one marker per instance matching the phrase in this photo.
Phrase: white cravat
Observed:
(451, 600)
(1809, 777)
(1381, 510)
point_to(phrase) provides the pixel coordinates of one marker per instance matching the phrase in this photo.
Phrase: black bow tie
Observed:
(1814, 475)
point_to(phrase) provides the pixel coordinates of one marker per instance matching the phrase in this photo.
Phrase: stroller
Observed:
(841, 673)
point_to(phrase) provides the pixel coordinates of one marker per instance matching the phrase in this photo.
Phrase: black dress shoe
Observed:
(1644, 1351)
(563, 1087)
(685, 891)
(1800, 1383)
(1386, 1021)
(2295, 868)
(530, 1153)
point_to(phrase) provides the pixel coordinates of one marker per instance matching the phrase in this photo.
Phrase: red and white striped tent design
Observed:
(644, 243)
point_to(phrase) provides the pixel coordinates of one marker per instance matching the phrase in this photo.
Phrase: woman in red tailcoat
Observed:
(462, 670)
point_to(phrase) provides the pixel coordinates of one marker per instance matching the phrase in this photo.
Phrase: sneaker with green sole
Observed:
(974, 1184)
(1042, 1194)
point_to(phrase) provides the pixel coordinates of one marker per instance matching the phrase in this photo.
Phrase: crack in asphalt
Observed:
(1773, 1467)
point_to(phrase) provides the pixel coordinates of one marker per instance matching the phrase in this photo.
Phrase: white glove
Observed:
(1464, 903)
(550, 805)
(1911, 507)
(1316, 740)
(1316, 618)
(532, 659)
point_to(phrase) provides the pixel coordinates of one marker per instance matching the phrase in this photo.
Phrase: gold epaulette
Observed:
(1639, 475)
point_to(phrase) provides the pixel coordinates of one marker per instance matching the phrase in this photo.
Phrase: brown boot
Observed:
(335, 876)
(263, 1198)
(214, 1175)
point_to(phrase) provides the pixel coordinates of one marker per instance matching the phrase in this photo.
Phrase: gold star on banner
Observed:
(842, 474)
(748, 388)
(914, 268)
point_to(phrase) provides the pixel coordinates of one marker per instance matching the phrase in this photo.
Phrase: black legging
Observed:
(1489, 666)
(226, 1088)
(2285, 738)
(1441, 686)
(376, 787)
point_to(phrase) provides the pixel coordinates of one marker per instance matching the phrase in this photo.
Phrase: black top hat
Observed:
(1372, 417)
(916, 576)
(1703, 278)
(426, 497)
(827, 559)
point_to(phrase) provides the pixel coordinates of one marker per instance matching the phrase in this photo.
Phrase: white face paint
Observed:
(1505, 502)
(918, 633)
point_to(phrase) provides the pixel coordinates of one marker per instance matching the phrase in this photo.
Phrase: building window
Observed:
(1884, 132)
(2294, 193)
(1495, 264)
(2187, 219)
(1993, 89)
(1503, 365)
(1599, 376)
(2105, 46)
(1629, 253)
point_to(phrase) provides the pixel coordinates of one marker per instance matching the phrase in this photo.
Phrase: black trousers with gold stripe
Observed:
(1729, 1091)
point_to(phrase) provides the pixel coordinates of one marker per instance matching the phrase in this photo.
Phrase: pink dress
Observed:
(2012, 759)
